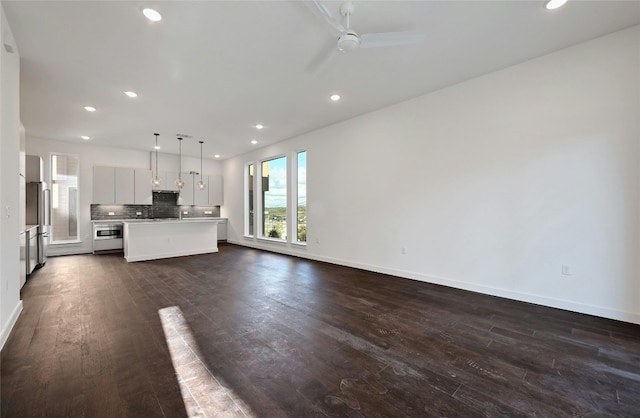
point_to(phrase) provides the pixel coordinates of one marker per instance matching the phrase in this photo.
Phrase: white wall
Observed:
(92, 155)
(10, 304)
(491, 185)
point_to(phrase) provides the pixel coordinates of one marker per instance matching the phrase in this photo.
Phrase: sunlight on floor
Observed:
(203, 394)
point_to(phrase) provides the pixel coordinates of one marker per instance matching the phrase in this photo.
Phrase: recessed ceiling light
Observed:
(90, 108)
(253, 141)
(152, 15)
(131, 93)
(335, 97)
(258, 126)
(86, 138)
(217, 156)
(554, 4)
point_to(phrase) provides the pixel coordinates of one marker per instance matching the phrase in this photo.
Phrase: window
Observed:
(248, 205)
(301, 197)
(64, 198)
(274, 198)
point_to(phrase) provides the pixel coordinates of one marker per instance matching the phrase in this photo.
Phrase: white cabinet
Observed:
(192, 195)
(168, 180)
(125, 186)
(214, 188)
(121, 186)
(104, 185)
(222, 230)
(186, 193)
(201, 197)
(143, 194)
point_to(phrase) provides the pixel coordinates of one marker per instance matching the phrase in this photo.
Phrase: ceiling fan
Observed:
(349, 39)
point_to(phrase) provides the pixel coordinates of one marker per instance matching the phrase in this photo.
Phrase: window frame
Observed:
(259, 219)
(77, 204)
(247, 206)
(294, 194)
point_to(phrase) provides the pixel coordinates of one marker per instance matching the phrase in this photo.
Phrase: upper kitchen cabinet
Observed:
(125, 186)
(142, 190)
(186, 193)
(104, 185)
(168, 180)
(201, 196)
(121, 186)
(215, 190)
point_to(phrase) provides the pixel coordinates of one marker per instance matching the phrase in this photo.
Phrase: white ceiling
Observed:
(213, 69)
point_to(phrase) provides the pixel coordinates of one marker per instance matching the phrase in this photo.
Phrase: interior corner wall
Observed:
(491, 185)
(10, 303)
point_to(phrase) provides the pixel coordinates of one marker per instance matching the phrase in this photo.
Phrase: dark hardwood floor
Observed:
(251, 333)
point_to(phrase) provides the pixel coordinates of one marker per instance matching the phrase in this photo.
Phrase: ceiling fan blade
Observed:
(320, 11)
(376, 40)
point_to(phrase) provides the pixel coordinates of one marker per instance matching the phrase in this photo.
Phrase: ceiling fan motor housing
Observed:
(348, 41)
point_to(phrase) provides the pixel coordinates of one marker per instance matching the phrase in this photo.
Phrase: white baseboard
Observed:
(68, 251)
(488, 290)
(10, 324)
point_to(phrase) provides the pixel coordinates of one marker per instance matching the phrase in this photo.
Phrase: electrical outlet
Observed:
(207, 212)
(566, 270)
(138, 213)
(186, 212)
(111, 213)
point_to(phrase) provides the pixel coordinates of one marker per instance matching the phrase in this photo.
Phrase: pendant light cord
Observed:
(180, 162)
(156, 154)
(201, 142)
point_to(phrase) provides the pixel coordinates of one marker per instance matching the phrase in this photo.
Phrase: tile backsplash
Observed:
(100, 212)
(164, 206)
(200, 211)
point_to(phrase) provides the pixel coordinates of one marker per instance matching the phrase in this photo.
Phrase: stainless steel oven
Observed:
(107, 236)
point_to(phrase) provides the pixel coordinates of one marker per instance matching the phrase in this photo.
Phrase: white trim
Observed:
(278, 241)
(78, 181)
(67, 242)
(458, 284)
(246, 197)
(10, 324)
(261, 209)
(295, 182)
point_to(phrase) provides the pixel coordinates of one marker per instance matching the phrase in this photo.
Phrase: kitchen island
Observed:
(154, 239)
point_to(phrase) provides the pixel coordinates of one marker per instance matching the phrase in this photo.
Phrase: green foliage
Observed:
(275, 223)
(302, 233)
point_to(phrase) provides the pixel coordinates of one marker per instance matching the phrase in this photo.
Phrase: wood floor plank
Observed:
(248, 333)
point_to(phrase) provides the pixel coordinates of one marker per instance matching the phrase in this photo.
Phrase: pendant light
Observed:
(201, 184)
(180, 182)
(156, 182)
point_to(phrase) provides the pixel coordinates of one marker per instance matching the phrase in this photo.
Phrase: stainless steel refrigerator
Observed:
(38, 211)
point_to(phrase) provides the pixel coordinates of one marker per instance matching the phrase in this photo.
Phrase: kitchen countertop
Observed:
(184, 220)
(211, 218)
